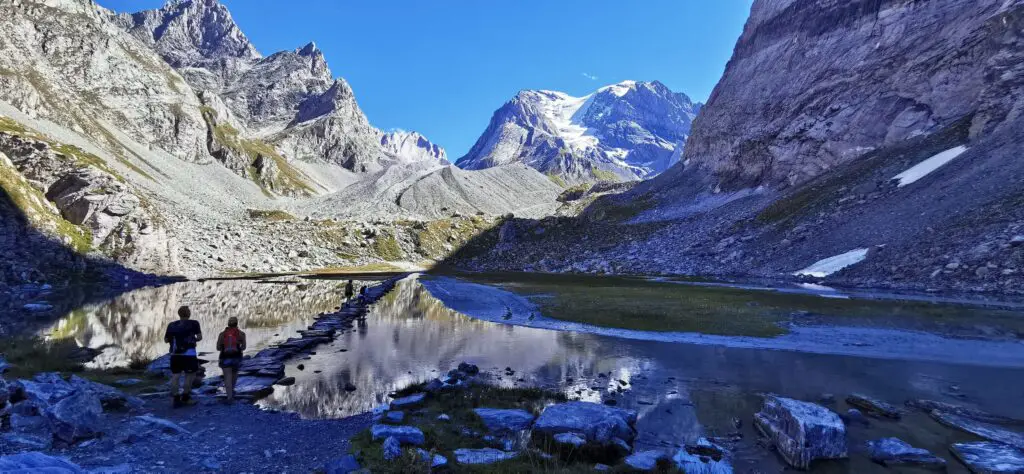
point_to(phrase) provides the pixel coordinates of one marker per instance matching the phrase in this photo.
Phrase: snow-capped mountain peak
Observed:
(625, 131)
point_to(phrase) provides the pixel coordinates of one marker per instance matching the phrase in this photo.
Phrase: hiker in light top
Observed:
(182, 335)
(349, 291)
(231, 344)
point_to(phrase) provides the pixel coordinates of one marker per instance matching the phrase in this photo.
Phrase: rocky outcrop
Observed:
(815, 83)
(412, 146)
(609, 432)
(627, 131)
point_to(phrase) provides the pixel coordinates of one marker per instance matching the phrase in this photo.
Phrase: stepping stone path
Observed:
(410, 401)
(259, 373)
(801, 431)
(894, 452)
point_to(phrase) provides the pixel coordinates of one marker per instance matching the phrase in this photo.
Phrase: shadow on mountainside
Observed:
(959, 228)
(42, 278)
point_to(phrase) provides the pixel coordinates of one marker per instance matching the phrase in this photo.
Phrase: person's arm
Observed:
(242, 341)
(220, 342)
(167, 334)
(199, 332)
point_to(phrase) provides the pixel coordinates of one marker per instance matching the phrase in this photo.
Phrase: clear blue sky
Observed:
(442, 67)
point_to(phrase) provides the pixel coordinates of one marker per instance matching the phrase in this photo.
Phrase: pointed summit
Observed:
(191, 33)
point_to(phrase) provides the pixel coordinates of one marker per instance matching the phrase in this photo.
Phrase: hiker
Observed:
(231, 344)
(349, 291)
(182, 335)
(362, 294)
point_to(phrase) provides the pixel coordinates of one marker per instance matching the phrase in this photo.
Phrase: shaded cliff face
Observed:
(816, 83)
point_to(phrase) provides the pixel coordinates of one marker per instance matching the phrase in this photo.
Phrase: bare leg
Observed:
(175, 378)
(230, 377)
(189, 377)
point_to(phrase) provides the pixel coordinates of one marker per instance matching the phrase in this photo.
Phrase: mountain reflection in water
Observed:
(680, 391)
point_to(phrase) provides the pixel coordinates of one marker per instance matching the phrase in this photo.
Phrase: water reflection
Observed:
(681, 391)
(131, 327)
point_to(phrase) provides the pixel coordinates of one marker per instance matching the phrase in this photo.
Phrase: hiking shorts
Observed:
(184, 363)
(230, 362)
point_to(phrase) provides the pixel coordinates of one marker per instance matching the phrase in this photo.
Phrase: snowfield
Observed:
(925, 167)
(828, 266)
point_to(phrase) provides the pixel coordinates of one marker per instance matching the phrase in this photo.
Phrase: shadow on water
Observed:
(48, 275)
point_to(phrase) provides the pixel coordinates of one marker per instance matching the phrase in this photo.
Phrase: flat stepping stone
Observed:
(483, 456)
(162, 424)
(404, 434)
(645, 460)
(250, 386)
(501, 421)
(874, 406)
(411, 400)
(929, 405)
(986, 457)
(894, 452)
(977, 428)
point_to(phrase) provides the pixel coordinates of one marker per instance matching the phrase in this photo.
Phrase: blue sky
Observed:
(442, 67)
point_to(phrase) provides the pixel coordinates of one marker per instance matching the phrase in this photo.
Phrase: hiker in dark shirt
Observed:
(231, 344)
(182, 335)
(349, 291)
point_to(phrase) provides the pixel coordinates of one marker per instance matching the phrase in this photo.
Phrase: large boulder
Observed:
(989, 457)
(38, 462)
(608, 431)
(76, 417)
(894, 452)
(46, 388)
(110, 397)
(505, 421)
(802, 432)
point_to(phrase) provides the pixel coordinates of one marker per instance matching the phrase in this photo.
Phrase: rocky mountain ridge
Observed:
(622, 132)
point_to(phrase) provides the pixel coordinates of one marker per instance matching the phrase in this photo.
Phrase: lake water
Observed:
(682, 385)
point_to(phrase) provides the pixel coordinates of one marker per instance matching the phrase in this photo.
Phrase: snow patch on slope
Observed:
(828, 266)
(925, 167)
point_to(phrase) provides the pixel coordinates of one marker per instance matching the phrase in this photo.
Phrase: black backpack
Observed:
(183, 337)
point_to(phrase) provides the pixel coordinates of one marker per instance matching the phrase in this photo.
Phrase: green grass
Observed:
(275, 215)
(31, 203)
(603, 175)
(633, 303)
(434, 237)
(379, 267)
(387, 248)
(443, 437)
(557, 180)
(289, 179)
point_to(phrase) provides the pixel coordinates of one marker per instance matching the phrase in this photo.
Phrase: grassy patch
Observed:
(444, 437)
(603, 175)
(276, 215)
(288, 180)
(386, 246)
(438, 238)
(557, 180)
(633, 303)
(33, 205)
(377, 267)
(618, 210)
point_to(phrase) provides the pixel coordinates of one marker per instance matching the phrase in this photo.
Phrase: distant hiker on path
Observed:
(183, 335)
(231, 344)
(349, 291)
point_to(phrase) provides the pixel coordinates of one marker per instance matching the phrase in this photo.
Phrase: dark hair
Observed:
(184, 312)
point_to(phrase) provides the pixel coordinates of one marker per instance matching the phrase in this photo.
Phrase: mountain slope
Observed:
(627, 131)
(801, 158)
